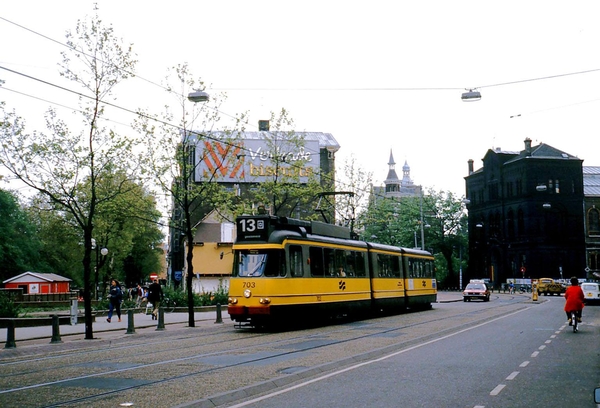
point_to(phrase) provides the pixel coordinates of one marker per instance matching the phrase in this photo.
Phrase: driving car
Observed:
(476, 290)
(591, 291)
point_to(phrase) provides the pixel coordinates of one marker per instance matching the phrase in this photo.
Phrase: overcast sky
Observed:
(377, 75)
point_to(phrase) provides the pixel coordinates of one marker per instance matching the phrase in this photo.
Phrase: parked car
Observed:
(476, 290)
(591, 291)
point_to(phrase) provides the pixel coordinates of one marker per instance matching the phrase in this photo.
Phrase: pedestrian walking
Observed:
(115, 297)
(155, 295)
(139, 291)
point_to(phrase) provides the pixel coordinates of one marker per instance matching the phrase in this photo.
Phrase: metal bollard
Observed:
(55, 330)
(10, 335)
(161, 319)
(130, 324)
(219, 318)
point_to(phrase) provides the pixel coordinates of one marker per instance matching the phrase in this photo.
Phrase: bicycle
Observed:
(574, 321)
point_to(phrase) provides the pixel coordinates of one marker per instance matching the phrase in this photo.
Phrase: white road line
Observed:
(553, 336)
(497, 390)
(365, 363)
(548, 341)
(524, 364)
(535, 354)
(512, 375)
(541, 347)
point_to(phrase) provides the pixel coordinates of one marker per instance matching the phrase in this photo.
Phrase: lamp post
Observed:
(103, 252)
(185, 202)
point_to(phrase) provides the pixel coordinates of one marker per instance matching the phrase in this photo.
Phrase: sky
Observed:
(379, 76)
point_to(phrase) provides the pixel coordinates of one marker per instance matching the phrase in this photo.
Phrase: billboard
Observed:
(256, 160)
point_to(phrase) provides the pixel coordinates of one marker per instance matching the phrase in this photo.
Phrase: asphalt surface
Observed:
(140, 320)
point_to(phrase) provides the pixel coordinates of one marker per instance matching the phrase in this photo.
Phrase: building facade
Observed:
(526, 217)
(254, 159)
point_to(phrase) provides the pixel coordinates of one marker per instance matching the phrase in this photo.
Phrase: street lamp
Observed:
(103, 252)
(198, 96)
(471, 96)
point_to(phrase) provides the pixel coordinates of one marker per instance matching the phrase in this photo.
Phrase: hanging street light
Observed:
(471, 96)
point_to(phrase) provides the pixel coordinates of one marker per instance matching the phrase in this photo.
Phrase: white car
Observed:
(591, 291)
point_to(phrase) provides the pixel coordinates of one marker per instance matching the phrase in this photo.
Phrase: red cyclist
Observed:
(574, 300)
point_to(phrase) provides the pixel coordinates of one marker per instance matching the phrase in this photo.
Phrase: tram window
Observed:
(359, 264)
(384, 265)
(350, 263)
(416, 268)
(395, 266)
(316, 261)
(329, 262)
(296, 264)
(255, 264)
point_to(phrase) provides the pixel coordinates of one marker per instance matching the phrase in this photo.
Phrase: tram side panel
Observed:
(387, 280)
(421, 285)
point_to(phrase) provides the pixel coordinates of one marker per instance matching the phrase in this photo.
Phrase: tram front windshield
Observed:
(255, 263)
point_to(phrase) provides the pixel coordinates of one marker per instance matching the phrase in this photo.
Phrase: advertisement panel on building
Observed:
(256, 160)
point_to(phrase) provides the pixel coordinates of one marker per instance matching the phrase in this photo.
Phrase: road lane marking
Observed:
(512, 375)
(541, 347)
(535, 354)
(553, 336)
(524, 364)
(548, 341)
(365, 363)
(497, 390)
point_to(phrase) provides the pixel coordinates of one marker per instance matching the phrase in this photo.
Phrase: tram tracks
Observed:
(228, 354)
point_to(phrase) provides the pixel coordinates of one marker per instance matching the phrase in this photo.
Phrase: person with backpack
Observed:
(155, 295)
(115, 297)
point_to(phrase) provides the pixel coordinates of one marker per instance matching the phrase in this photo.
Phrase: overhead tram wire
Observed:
(84, 53)
(177, 127)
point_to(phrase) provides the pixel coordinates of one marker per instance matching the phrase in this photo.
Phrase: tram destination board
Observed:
(253, 228)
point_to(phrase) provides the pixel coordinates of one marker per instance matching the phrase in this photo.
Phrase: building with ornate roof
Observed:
(393, 186)
(532, 213)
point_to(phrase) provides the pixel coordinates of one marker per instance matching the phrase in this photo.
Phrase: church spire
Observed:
(392, 183)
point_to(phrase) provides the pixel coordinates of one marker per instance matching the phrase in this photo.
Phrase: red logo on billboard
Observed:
(217, 160)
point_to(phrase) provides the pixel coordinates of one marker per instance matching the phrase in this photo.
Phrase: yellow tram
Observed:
(287, 269)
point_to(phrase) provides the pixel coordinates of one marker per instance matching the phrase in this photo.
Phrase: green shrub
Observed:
(8, 308)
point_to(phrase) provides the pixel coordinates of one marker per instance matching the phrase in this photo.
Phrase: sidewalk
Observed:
(447, 297)
(141, 321)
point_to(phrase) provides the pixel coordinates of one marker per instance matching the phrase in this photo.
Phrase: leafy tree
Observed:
(61, 247)
(352, 187)
(19, 245)
(439, 215)
(175, 152)
(56, 163)
(285, 192)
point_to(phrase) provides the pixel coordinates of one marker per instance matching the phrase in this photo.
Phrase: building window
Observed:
(520, 223)
(593, 222)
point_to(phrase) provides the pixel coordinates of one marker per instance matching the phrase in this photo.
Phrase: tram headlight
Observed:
(247, 293)
(264, 301)
(232, 301)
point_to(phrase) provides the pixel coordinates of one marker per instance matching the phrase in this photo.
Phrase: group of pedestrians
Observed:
(153, 295)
